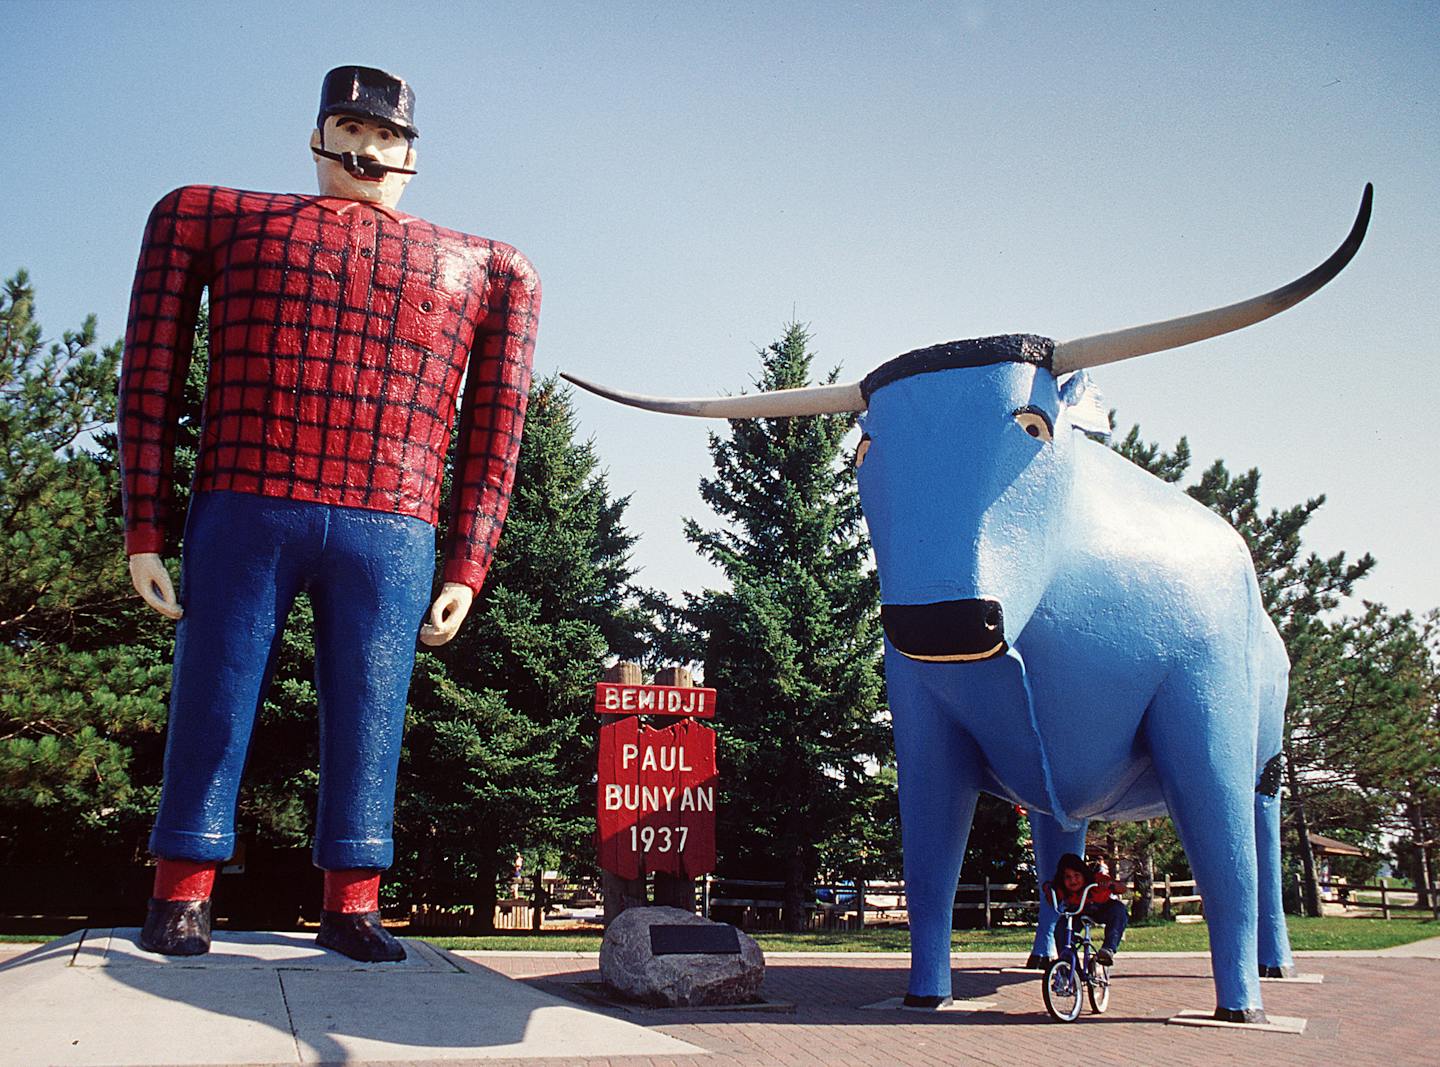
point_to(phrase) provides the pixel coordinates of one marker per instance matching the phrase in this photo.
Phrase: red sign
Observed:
(656, 798)
(693, 702)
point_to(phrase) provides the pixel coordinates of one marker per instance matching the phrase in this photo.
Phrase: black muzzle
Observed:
(951, 631)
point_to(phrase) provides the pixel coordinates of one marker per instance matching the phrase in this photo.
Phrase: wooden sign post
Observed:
(655, 799)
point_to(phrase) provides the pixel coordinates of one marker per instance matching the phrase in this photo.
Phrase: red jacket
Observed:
(1105, 888)
(340, 333)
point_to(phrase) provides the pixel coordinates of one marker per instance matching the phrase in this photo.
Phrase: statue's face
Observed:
(366, 138)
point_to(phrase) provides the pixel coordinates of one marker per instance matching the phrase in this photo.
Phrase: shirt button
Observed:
(365, 253)
(367, 222)
(425, 305)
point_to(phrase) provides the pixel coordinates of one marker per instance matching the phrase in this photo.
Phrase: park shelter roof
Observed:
(1329, 846)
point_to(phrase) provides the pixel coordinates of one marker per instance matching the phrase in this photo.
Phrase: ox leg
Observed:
(937, 766)
(1274, 936)
(1204, 755)
(1051, 842)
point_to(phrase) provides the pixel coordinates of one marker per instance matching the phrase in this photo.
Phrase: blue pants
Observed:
(1112, 913)
(246, 558)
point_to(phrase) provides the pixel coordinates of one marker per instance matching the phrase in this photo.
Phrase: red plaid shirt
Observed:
(340, 333)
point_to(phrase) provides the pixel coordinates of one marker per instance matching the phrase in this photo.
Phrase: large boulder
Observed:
(629, 966)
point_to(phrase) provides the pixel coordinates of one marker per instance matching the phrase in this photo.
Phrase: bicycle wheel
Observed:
(1062, 991)
(1098, 988)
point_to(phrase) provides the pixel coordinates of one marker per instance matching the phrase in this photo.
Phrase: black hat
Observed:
(369, 93)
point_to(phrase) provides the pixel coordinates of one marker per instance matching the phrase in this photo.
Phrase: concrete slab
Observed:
(55, 1013)
(249, 950)
(1428, 949)
(474, 1014)
(1297, 979)
(1275, 1024)
(277, 999)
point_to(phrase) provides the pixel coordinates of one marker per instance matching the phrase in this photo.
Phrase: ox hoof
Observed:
(1039, 963)
(360, 936)
(1240, 1015)
(177, 927)
(913, 1000)
(1270, 970)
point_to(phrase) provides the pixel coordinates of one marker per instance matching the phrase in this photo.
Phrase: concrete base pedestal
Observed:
(1275, 1024)
(898, 1004)
(276, 998)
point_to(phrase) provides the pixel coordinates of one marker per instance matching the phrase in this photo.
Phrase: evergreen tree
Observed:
(500, 742)
(1167, 466)
(1366, 728)
(77, 695)
(793, 646)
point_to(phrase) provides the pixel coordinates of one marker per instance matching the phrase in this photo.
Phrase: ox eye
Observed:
(1035, 422)
(861, 449)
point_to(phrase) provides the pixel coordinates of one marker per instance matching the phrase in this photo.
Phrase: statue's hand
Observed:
(151, 579)
(447, 613)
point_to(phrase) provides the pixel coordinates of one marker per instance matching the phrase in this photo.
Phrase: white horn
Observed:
(812, 400)
(1158, 336)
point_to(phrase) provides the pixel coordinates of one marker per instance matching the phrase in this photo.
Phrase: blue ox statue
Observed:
(1063, 629)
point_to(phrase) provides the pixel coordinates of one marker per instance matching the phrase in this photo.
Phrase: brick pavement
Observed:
(1369, 1010)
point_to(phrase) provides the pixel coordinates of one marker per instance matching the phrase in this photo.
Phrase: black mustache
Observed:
(360, 166)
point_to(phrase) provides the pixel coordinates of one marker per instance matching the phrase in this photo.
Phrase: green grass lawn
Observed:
(1305, 935)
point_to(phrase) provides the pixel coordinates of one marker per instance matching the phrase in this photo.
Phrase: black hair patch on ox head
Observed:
(972, 352)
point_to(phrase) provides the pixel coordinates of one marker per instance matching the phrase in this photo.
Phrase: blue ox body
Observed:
(1068, 632)
(1063, 629)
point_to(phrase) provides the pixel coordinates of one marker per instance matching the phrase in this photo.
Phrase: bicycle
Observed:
(1075, 966)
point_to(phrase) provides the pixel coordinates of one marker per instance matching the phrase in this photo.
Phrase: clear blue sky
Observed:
(689, 176)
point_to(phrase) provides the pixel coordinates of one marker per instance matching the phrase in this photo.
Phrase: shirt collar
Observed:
(343, 206)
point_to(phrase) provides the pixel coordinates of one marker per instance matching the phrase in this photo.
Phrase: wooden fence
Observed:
(848, 905)
(1390, 898)
(1166, 898)
(836, 905)
(759, 904)
(514, 912)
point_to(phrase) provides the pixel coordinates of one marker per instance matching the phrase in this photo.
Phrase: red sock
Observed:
(352, 892)
(183, 880)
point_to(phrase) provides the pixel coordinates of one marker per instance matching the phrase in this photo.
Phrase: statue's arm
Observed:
(164, 303)
(492, 418)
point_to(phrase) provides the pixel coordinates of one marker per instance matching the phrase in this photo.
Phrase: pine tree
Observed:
(77, 695)
(500, 748)
(793, 646)
(1366, 728)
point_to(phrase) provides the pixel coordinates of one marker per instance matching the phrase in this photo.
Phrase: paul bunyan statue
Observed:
(341, 331)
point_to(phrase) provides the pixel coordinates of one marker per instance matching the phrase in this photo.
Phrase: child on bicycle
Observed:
(1071, 878)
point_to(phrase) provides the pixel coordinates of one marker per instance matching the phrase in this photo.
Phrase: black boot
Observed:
(360, 936)
(177, 927)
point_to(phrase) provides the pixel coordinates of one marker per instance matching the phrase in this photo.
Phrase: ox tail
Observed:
(1269, 783)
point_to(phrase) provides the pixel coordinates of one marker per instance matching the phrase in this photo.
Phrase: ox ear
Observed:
(1085, 407)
